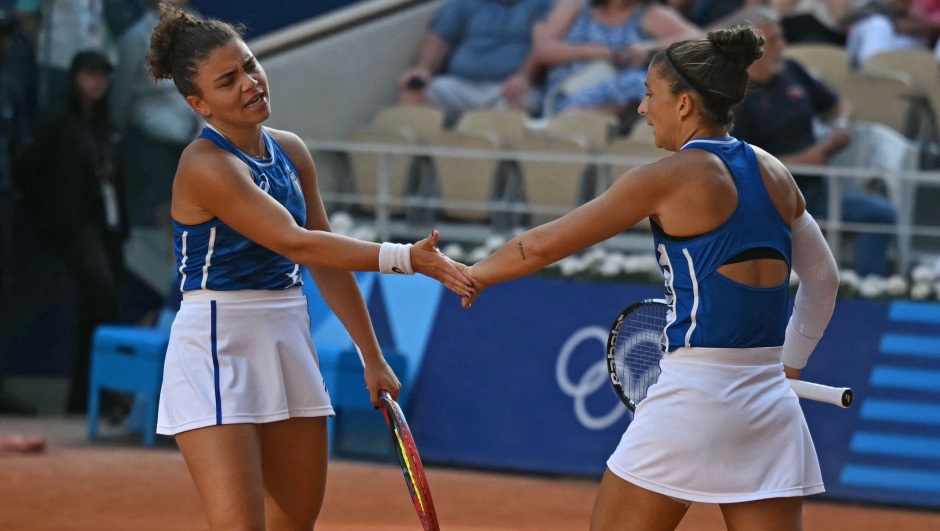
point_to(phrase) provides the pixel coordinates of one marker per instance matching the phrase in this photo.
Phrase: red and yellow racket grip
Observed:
(411, 467)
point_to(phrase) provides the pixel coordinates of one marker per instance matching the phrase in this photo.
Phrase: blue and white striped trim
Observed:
(205, 268)
(707, 141)
(183, 262)
(688, 334)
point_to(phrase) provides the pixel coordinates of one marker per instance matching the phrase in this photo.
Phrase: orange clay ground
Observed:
(117, 486)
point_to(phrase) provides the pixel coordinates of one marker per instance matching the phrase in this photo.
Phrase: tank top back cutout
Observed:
(706, 308)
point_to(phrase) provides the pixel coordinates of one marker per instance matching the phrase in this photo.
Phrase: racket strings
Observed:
(639, 348)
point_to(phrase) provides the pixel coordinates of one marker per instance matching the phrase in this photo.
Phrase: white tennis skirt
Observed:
(240, 357)
(720, 426)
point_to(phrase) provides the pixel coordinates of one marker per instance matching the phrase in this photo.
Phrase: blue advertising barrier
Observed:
(518, 383)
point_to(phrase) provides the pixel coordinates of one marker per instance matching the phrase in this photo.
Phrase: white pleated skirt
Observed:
(240, 357)
(720, 426)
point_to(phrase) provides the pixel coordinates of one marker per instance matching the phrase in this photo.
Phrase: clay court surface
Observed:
(117, 486)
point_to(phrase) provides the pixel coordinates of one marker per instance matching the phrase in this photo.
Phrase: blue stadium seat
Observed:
(128, 359)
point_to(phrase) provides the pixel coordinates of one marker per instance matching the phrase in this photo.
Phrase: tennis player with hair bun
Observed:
(242, 389)
(721, 425)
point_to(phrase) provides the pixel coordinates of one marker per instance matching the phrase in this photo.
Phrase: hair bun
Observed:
(173, 22)
(743, 44)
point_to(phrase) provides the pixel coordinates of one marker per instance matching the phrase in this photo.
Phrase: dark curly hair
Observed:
(180, 41)
(714, 68)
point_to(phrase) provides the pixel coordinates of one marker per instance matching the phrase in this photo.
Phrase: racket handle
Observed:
(837, 396)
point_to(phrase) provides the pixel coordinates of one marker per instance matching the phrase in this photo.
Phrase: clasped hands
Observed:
(428, 260)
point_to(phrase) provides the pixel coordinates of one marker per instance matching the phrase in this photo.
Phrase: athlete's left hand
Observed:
(478, 285)
(380, 376)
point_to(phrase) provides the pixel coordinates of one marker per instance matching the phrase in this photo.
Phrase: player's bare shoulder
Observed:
(203, 170)
(779, 182)
(203, 164)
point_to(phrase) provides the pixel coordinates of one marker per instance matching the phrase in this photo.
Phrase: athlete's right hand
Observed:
(379, 376)
(429, 261)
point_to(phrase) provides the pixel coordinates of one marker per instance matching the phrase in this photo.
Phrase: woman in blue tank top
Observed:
(721, 425)
(242, 391)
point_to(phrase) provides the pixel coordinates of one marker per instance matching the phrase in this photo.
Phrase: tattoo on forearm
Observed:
(521, 251)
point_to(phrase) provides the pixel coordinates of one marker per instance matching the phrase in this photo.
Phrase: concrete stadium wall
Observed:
(326, 88)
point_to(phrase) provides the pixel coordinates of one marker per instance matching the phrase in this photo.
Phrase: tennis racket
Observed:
(634, 349)
(410, 462)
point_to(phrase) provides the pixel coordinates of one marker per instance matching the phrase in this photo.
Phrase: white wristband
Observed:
(797, 347)
(395, 258)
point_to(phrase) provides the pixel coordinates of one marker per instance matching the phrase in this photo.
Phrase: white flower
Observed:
(364, 233)
(923, 274)
(342, 223)
(849, 278)
(921, 291)
(872, 286)
(478, 255)
(454, 251)
(493, 242)
(896, 286)
(612, 265)
(594, 257)
(571, 266)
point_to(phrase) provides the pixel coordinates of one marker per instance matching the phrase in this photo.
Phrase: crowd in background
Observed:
(88, 149)
(548, 57)
(516, 54)
(89, 144)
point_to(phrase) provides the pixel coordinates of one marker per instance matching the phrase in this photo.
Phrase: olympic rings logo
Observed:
(593, 379)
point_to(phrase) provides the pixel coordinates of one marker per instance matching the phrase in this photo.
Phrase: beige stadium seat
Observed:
(829, 62)
(508, 126)
(553, 183)
(424, 123)
(365, 166)
(880, 97)
(596, 127)
(920, 65)
(463, 179)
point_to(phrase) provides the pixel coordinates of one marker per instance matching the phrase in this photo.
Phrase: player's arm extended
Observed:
(221, 185)
(634, 196)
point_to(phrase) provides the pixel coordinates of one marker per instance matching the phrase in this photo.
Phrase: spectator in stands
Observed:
(706, 13)
(623, 33)
(813, 21)
(72, 185)
(884, 25)
(476, 55)
(156, 123)
(69, 27)
(777, 115)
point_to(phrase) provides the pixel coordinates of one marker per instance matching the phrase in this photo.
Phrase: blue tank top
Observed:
(708, 309)
(213, 256)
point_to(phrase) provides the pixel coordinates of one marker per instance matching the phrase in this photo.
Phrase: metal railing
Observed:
(834, 227)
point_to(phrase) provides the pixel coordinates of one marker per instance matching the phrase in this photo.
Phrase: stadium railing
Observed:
(387, 227)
